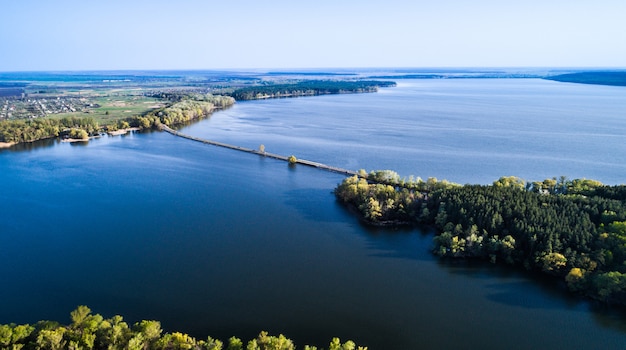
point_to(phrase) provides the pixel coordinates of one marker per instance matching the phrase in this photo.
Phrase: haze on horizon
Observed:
(194, 34)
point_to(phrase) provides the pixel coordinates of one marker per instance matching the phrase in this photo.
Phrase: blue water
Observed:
(216, 242)
(466, 131)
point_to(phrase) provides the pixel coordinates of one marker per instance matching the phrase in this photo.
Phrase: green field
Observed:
(108, 107)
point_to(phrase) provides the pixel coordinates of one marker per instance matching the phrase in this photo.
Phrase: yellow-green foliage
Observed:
(78, 134)
(38, 129)
(191, 107)
(89, 331)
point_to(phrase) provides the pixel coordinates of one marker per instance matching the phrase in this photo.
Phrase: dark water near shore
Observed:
(216, 242)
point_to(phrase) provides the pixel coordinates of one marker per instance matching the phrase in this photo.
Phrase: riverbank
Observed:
(70, 140)
(123, 131)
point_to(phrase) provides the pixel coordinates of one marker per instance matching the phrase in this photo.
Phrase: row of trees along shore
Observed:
(308, 88)
(185, 109)
(574, 230)
(89, 331)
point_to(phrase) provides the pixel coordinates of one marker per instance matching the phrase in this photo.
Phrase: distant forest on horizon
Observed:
(612, 78)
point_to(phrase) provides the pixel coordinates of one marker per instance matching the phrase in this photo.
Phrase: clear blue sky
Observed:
(207, 34)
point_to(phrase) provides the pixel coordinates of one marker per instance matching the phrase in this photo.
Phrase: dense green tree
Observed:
(611, 286)
(151, 330)
(267, 342)
(234, 343)
(50, 339)
(78, 134)
(79, 315)
(510, 181)
(6, 333)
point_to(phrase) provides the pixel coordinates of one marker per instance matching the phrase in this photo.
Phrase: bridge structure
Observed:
(263, 153)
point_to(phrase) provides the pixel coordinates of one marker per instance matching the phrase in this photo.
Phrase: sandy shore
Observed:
(122, 131)
(74, 140)
(6, 144)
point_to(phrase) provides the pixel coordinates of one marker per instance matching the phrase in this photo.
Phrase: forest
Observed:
(615, 78)
(92, 331)
(574, 230)
(308, 88)
(29, 130)
(182, 109)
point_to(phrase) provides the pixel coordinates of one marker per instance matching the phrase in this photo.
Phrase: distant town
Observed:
(32, 107)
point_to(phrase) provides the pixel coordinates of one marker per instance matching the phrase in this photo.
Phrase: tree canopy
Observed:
(308, 88)
(89, 331)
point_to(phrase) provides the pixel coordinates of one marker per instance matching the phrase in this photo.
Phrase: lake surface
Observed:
(466, 131)
(216, 242)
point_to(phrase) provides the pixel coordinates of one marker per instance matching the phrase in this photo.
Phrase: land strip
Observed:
(289, 159)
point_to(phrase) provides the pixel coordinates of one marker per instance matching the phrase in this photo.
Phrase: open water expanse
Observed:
(216, 242)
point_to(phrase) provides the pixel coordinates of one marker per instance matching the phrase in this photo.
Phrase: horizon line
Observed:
(304, 69)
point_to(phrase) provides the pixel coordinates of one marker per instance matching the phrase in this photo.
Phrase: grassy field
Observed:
(114, 106)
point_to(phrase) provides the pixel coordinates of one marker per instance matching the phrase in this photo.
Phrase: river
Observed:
(216, 242)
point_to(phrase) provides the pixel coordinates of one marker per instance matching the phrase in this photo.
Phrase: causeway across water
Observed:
(261, 153)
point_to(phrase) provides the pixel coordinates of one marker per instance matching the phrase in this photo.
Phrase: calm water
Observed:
(466, 131)
(214, 242)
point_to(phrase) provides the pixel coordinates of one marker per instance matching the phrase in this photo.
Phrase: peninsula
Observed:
(574, 230)
(612, 78)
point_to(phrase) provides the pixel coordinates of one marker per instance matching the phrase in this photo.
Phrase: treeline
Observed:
(219, 101)
(18, 131)
(183, 111)
(615, 78)
(308, 88)
(572, 229)
(89, 331)
(187, 108)
(193, 106)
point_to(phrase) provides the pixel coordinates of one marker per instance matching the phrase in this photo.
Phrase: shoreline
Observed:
(75, 140)
(70, 140)
(122, 131)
